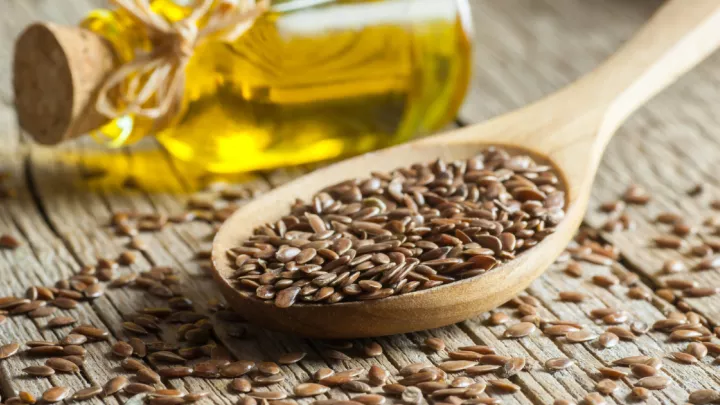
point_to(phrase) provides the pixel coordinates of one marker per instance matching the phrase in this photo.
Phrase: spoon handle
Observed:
(680, 35)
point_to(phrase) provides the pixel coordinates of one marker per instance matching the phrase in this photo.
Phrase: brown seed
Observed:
(574, 269)
(559, 330)
(65, 303)
(74, 339)
(684, 335)
(335, 355)
(139, 348)
(267, 395)
(147, 376)
(165, 356)
(373, 349)
(571, 296)
(55, 394)
(394, 389)
(608, 340)
(42, 312)
(504, 385)
(482, 369)
(237, 369)
(499, 318)
(613, 373)
(627, 361)
(580, 336)
(74, 350)
(132, 365)
(138, 388)
(324, 372)
(122, 349)
(559, 363)
(62, 365)
(668, 242)
(641, 393)
(698, 292)
(594, 398)
(456, 365)
(520, 330)
(657, 382)
(606, 387)
(291, 358)
(39, 371)
(356, 386)
(241, 385)
(641, 370)
(705, 396)
(621, 333)
(61, 321)
(8, 350)
(115, 385)
(91, 332)
(310, 389)
(698, 350)
(370, 399)
(435, 344)
(606, 281)
(684, 357)
(377, 375)
(134, 328)
(262, 380)
(175, 372)
(86, 393)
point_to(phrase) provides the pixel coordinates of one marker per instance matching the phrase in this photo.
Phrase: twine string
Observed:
(155, 79)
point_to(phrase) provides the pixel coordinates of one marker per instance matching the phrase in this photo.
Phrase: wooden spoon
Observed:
(571, 128)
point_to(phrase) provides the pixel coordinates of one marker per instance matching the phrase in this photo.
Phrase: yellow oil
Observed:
(311, 80)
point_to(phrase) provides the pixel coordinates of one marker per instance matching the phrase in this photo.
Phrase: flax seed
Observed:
(62, 365)
(55, 394)
(559, 363)
(86, 393)
(657, 382)
(435, 344)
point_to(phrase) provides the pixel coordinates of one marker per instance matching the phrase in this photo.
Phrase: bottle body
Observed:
(310, 81)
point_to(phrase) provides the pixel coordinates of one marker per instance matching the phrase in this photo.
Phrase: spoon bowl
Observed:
(568, 130)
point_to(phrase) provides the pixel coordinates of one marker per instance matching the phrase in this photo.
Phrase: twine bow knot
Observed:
(154, 80)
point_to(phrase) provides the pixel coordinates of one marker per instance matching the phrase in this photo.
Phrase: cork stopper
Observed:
(57, 73)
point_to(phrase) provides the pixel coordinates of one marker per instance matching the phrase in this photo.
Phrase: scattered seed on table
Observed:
(606, 387)
(435, 344)
(62, 365)
(377, 375)
(499, 318)
(39, 371)
(55, 394)
(8, 350)
(504, 385)
(86, 393)
(704, 396)
(147, 376)
(614, 373)
(520, 330)
(558, 363)
(580, 336)
(657, 382)
(291, 358)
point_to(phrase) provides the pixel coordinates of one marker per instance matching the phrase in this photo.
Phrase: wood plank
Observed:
(526, 49)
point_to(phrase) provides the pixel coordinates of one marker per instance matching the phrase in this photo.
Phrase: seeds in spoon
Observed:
(360, 224)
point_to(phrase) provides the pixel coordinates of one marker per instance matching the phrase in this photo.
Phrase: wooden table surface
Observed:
(525, 50)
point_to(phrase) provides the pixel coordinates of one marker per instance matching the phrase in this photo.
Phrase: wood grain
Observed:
(526, 49)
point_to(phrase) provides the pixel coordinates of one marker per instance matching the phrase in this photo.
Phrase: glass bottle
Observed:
(311, 80)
